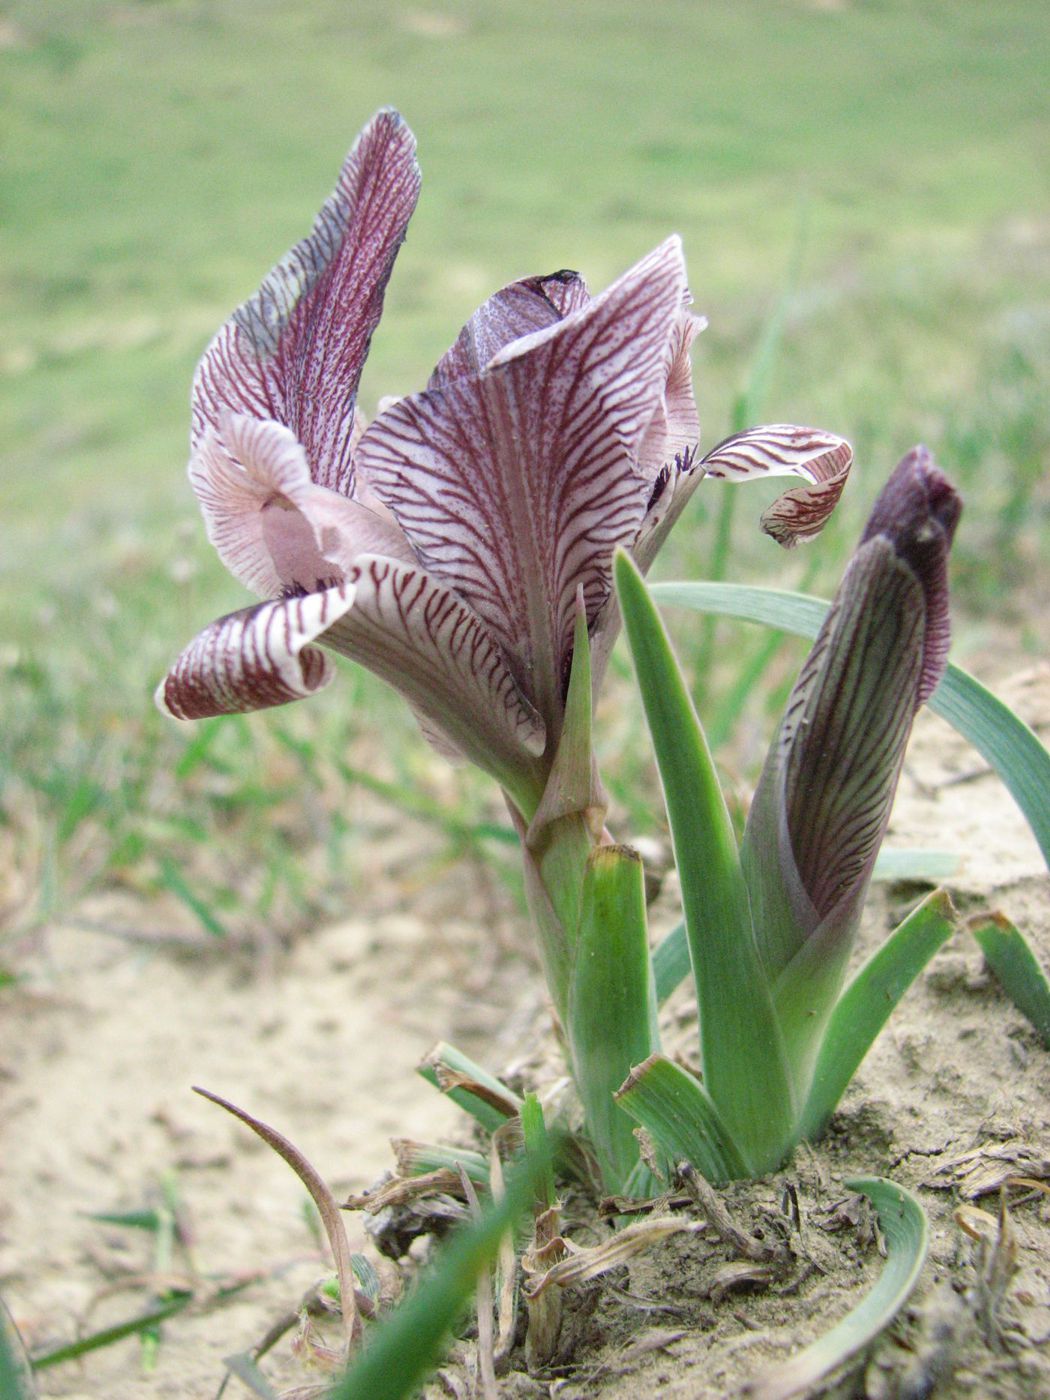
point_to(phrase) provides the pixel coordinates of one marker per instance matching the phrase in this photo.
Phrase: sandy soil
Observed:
(104, 1037)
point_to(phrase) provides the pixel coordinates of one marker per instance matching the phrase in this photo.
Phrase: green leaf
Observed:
(745, 1072)
(1011, 959)
(406, 1347)
(16, 1378)
(106, 1336)
(538, 1151)
(671, 955)
(864, 1007)
(488, 1100)
(902, 1221)
(676, 1111)
(612, 1004)
(172, 878)
(992, 727)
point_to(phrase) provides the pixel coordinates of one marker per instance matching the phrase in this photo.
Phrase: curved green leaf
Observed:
(745, 1071)
(676, 1111)
(864, 1007)
(902, 1221)
(992, 727)
(1011, 959)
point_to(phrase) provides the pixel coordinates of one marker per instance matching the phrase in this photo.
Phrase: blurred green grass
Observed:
(158, 157)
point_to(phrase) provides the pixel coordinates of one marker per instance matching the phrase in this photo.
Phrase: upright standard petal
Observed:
(294, 352)
(255, 659)
(781, 449)
(517, 485)
(517, 310)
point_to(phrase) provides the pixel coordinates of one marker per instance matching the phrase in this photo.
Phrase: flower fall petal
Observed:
(254, 659)
(782, 449)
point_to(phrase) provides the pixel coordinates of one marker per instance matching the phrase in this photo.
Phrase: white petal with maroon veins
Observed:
(274, 529)
(415, 633)
(782, 449)
(294, 352)
(255, 659)
(516, 486)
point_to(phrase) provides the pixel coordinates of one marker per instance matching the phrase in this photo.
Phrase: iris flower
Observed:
(445, 547)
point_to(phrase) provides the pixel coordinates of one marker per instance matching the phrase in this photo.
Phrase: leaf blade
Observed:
(864, 1007)
(745, 1071)
(1010, 957)
(904, 1226)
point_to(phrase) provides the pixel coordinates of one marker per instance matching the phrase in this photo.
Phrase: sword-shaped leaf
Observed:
(745, 1072)
(1014, 964)
(676, 1111)
(612, 1005)
(864, 1007)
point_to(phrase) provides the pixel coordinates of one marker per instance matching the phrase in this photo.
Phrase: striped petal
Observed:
(918, 510)
(294, 352)
(824, 800)
(822, 459)
(518, 484)
(518, 310)
(406, 627)
(674, 433)
(415, 633)
(273, 528)
(255, 659)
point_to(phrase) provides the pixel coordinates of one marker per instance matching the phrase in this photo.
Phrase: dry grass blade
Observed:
(322, 1199)
(483, 1294)
(584, 1264)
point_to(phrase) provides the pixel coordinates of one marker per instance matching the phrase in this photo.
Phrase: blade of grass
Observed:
(979, 716)
(1011, 959)
(172, 878)
(902, 1221)
(106, 1336)
(612, 1004)
(745, 1073)
(488, 1099)
(321, 1197)
(16, 1378)
(406, 1347)
(676, 1111)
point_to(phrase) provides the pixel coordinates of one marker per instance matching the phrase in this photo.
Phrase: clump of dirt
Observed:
(103, 1038)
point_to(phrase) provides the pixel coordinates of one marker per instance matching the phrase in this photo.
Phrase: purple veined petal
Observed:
(918, 510)
(674, 432)
(517, 486)
(415, 633)
(781, 449)
(273, 528)
(293, 353)
(517, 310)
(847, 723)
(255, 659)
